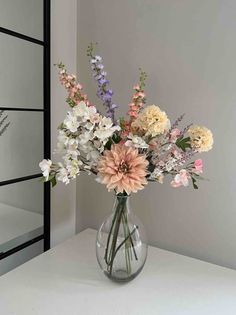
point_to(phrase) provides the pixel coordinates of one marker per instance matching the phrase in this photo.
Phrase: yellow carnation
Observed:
(151, 122)
(201, 138)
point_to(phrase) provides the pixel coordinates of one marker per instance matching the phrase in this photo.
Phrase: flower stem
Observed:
(113, 246)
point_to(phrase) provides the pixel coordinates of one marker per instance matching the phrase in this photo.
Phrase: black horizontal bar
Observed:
(21, 246)
(23, 109)
(19, 179)
(21, 36)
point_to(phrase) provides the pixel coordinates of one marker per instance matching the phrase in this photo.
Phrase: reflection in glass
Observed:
(21, 145)
(21, 213)
(24, 16)
(21, 73)
(20, 257)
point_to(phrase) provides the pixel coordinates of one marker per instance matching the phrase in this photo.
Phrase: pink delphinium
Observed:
(137, 103)
(74, 89)
(123, 169)
(198, 166)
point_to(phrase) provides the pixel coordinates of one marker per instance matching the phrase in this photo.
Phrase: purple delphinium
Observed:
(103, 92)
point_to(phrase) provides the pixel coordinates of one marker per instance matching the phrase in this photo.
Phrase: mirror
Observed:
(24, 117)
(21, 213)
(22, 144)
(21, 73)
(26, 17)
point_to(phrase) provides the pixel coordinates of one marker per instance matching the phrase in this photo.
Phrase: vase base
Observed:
(121, 276)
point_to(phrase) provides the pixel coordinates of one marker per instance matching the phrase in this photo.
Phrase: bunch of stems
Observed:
(120, 221)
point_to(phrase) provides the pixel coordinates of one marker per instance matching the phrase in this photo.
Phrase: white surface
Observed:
(67, 281)
(63, 49)
(188, 49)
(16, 224)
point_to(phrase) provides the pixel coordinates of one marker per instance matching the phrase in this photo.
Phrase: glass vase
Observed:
(121, 244)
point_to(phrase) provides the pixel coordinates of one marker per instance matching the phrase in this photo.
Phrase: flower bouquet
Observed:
(124, 154)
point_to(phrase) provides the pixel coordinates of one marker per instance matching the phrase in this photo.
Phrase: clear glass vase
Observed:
(121, 244)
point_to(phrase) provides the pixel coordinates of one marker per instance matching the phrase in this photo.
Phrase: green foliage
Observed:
(53, 181)
(142, 78)
(122, 123)
(90, 49)
(195, 186)
(183, 143)
(70, 102)
(114, 139)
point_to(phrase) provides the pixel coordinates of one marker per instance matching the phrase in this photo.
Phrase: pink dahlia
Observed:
(123, 169)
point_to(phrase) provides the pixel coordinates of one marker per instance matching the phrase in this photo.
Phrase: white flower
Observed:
(84, 112)
(85, 137)
(72, 148)
(93, 155)
(136, 142)
(170, 164)
(45, 166)
(62, 141)
(105, 129)
(73, 167)
(63, 175)
(71, 122)
(156, 173)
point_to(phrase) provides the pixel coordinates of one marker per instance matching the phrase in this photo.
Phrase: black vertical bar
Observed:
(47, 118)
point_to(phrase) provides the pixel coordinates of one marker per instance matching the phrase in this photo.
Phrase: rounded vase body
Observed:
(121, 244)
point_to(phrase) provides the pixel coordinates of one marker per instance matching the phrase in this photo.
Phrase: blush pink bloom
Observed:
(175, 133)
(123, 169)
(198, 166)
(181, 179)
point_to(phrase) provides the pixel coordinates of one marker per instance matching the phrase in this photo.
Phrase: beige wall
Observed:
(188, 49)
(63, 48)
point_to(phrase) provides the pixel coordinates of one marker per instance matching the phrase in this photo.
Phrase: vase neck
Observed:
(121, 202)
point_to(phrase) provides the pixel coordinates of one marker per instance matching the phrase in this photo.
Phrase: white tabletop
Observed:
(67, 281)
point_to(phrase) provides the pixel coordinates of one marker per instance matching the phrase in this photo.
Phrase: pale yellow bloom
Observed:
(151, 122)
(201, 138)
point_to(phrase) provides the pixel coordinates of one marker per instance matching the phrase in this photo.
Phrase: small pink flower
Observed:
(198, 166)
(181, 179)
(175, 133)
(141, 94)
(176, 154)
(136, 87)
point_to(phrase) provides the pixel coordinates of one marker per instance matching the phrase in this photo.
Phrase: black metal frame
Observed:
(46, 127)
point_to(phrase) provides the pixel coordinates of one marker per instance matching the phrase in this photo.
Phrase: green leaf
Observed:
(183, 143)
(116, 138)
(122, 123)
(195, 186)
(53, 181)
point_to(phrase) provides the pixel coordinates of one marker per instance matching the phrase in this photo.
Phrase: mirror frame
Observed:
(45, 43)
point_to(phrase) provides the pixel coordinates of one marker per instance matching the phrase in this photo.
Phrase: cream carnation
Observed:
(151, 122)
(201, 138)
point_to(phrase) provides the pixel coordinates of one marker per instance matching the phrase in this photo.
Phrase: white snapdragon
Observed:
(105, 129)
(63, 174)
(71, 122)
(72, 148)
(45, 166)
(84, 112)
(73, 167)
(136, 142)
(62, 141)
(157, 174)
(170, 164)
